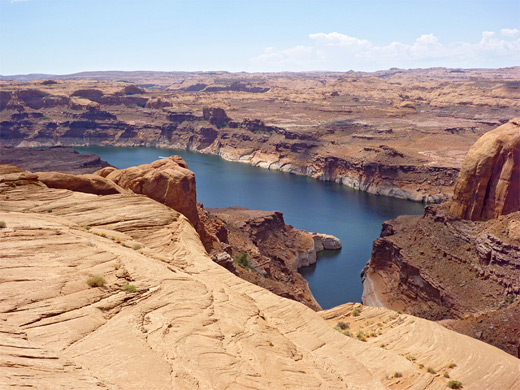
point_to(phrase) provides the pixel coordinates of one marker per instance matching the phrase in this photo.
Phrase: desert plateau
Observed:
(227, 195)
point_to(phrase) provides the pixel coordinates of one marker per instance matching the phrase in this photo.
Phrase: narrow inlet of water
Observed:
(353, 216)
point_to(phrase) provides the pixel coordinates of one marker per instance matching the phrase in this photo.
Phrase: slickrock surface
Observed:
(189, 323)
(401, 133)
(465, 273)
(489, 182)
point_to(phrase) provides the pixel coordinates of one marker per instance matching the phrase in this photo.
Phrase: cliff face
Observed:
(160, 314)
(466, 273)
(398, 134)
(489, 182)
(270, 251)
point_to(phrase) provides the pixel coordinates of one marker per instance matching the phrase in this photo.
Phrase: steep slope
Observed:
(489, 182)
(466, 273)
(188, 323)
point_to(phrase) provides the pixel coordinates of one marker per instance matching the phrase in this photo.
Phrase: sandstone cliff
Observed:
(270, 251)
(395, 133)
(163, 315)
(465, 273)
(489, 182)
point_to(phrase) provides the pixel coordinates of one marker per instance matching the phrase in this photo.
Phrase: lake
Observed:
(353, 216)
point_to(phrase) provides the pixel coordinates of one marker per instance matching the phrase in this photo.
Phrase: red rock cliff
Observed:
(489, 182)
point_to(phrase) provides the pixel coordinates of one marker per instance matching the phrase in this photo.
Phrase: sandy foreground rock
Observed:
(189, 324)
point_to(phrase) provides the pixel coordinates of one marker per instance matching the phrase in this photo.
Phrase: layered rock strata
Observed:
(161, 314)
(396, 133)
(465, 273)
(269, 252)
(57, 159)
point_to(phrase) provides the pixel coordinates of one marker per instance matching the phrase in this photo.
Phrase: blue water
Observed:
(353, 216)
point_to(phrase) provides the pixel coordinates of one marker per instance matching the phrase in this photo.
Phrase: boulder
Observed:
(489, 182)
(325, 242)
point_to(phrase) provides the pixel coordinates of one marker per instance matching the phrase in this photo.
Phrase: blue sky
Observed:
(67, 36)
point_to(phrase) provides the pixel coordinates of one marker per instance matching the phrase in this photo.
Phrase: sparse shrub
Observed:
(356, 312)
(361, 336)
(3, 225)
(129, 288)
(343, 325)
(243, 260)
(411, 358)
(137, 247)
(87, 227)
(49, 211)
(96, 281)
(455, 385)
(431, 370)
(398, 374)
(452, 365)
(446, 375)
(421, 365)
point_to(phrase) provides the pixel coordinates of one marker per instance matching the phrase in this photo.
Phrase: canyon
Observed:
(396, 133)
(117, 291)
(97, 258)
(459, 263)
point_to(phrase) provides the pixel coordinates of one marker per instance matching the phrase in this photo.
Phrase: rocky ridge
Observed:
(464, 273)
(167, 316)
(396, 133)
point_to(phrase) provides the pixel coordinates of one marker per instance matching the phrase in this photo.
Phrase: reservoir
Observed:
(353, 216)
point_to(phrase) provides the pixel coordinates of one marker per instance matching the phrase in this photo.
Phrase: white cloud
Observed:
(337, 51)
(17, 1)
(509, 32)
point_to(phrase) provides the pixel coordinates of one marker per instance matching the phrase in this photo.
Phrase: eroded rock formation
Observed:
(461, 272)
(489, 182)
(268, 252)
(163, 315)
(395, 133)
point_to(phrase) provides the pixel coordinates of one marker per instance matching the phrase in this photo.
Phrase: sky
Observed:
(68, 36)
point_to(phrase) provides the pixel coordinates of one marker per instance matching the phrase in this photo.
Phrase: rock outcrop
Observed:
(489, 182)
(401, 134)
(268, 252)
(89, 183)
(168, 181)
(60, 159)
(325, 242)
(463, 272)
(159, 313)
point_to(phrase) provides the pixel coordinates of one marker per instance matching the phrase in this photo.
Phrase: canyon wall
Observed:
(450, 265)
(395, 133)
